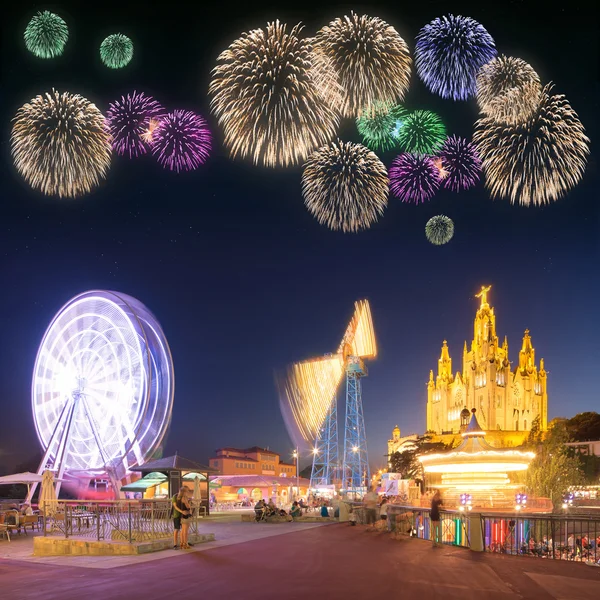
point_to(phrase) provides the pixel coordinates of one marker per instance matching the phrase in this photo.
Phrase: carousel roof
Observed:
(474, 454)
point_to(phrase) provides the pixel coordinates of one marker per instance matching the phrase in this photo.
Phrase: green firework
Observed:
(46, 35)
(439, 230)
(377, 124)
(422, 133)
(116, 51)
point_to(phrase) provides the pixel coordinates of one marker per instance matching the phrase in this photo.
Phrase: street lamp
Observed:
(520, 501)
(295, 455)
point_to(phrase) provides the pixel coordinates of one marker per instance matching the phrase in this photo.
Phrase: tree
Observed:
(554, 469)
(584, 427)
(407, 463)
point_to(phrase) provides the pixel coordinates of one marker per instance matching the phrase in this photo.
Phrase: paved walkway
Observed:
(300, 561)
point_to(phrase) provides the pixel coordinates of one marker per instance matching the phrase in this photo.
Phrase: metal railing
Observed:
(416, 522)
(121, 520)
(558, 537)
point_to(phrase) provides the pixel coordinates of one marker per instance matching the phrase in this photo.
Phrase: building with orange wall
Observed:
(251, 461)
(252, 474)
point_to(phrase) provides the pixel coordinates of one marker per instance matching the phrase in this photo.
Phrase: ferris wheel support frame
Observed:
(90, 422)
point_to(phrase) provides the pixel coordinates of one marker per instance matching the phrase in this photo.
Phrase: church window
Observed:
(537, 388)
(454, 415)
(525, 425)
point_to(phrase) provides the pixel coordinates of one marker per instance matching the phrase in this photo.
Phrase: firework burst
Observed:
(116, 51)
(537, 161)
(181, 141)
(132, 121)
(448, 54)
(439, 230)
(60, 144)
(414, 177)
(345, 186)
(460, 160)
(46, 35)
(272, 95)
(371, 59)
(421, 132)
(377, 125)
(508, 89)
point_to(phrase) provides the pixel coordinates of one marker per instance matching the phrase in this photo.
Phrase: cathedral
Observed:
(507, 397)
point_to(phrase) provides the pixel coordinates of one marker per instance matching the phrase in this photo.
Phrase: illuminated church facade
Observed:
(507, 399)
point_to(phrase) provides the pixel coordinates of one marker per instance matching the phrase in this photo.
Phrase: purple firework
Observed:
(461, 164)
(449, 52)
(414, 177)
(130, 120)
(182, 141)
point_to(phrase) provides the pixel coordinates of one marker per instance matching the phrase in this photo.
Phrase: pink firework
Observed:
(181, 141)
(461, 162)
(129, 121)
(414, 177)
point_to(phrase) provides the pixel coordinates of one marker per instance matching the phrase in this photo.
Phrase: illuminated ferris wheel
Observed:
(103, 384)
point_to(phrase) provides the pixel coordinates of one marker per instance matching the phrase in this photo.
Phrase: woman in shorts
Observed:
(180, 514)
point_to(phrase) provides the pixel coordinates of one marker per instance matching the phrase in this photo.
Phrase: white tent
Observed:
(26, 478)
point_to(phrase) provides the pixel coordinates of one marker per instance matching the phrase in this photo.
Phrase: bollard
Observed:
(475, 532)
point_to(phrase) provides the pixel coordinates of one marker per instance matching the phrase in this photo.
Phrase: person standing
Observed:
(436, 527)
(383, 514)
(180, 513)
(185, 517)
(370, 502)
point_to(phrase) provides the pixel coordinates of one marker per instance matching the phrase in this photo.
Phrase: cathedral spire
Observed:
(445, 363)
(527, 353)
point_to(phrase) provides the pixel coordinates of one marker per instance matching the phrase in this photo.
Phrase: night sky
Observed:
(241, 277)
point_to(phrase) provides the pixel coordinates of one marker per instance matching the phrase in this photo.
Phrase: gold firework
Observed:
(443, 173)
(371, 59)
(508, 90)
(537, 161)
(310, 387)
(148, 134)
(60, 144)
(345, 186)
(274, 96)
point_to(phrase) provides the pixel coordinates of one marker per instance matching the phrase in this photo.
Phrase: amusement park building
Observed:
(251, 461)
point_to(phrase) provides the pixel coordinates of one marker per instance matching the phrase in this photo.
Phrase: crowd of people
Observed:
(264, 509)
(584, 548)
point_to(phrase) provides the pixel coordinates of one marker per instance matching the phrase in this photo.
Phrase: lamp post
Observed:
(297, 474)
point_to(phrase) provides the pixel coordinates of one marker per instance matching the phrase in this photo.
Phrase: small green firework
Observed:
(46, 35)
(439, 230)
(377, 124)
(422, 132)
(116, 51)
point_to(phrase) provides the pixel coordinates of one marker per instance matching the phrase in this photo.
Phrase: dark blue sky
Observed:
(244, 280)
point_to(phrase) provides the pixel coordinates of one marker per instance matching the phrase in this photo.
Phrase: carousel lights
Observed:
(482, 467)
(517, 455)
